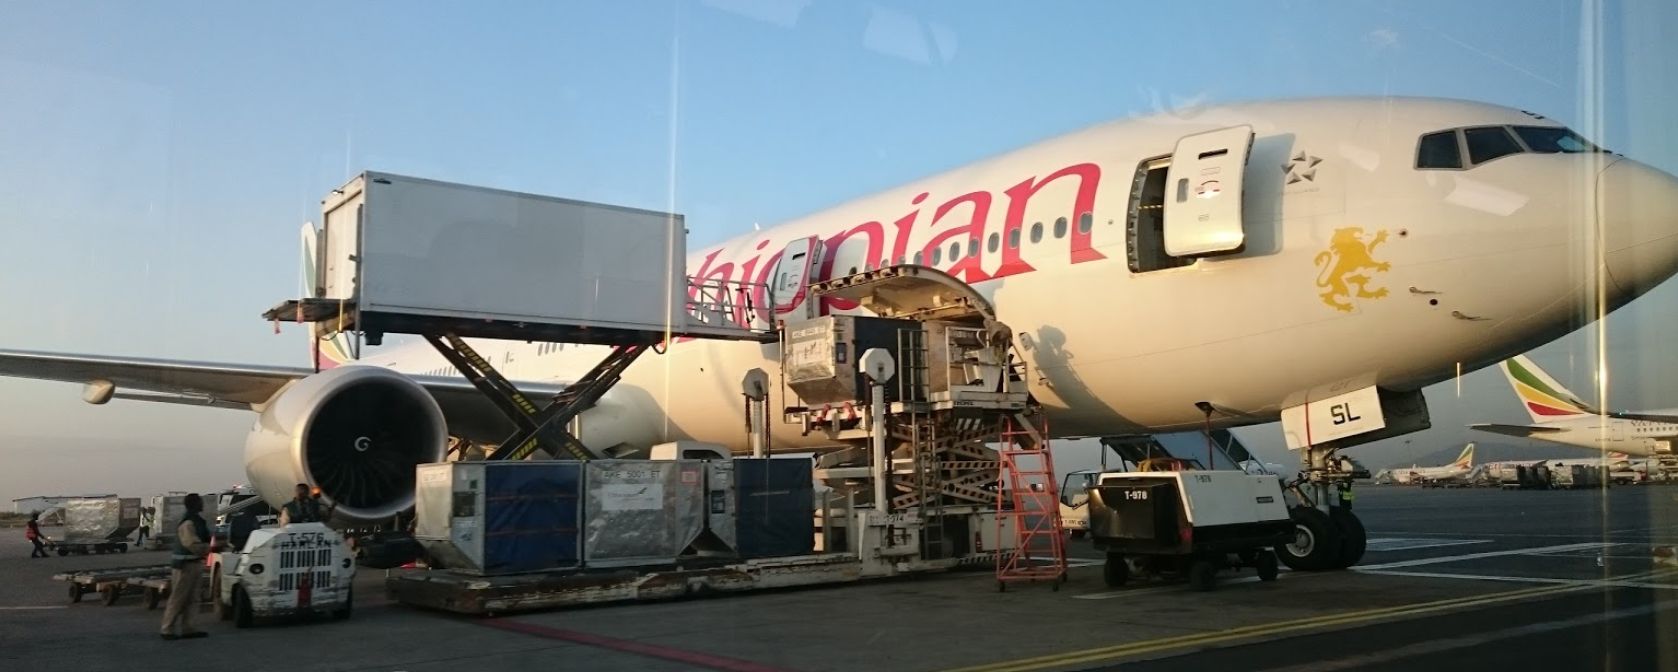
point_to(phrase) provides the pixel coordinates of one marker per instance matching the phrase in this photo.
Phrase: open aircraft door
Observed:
(1203, 193)
(790, 284)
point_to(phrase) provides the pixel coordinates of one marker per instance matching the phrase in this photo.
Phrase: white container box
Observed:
(405, 246)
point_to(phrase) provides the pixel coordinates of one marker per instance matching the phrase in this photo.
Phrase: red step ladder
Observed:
(1028, 508)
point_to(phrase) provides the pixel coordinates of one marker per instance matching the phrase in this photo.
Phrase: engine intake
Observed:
(355, 432)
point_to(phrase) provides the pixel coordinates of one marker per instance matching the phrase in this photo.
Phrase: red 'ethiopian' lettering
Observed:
(830, 256)
(1019, 195)
(968, 234)
(969, 269)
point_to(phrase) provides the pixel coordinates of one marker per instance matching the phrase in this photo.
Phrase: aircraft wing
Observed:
(1646, 417)
(467, 411)
(1516, 430)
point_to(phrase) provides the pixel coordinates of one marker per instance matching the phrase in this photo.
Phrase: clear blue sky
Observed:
(157, 158)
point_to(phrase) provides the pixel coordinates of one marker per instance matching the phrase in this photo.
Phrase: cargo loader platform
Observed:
(496, 595)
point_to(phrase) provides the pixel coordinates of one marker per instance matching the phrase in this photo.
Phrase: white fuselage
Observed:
(1637, 438)
(1420, 474)
(1356, 264)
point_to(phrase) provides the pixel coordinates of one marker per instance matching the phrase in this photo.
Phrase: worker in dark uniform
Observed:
(32, 532)
(304, 508)
(186, 563)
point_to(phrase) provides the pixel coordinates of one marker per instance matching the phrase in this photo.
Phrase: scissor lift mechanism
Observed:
(537, 425)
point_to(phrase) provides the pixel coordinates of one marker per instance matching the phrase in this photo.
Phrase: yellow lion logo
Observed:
(1350, 261)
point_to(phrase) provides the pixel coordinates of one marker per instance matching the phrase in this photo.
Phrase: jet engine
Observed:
(355, 432)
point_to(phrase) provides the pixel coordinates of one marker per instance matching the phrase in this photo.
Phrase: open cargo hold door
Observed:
(1203, 192)
(911, 292)
(791, 282)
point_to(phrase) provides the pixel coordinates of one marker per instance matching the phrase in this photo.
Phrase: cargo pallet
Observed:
(88, 546)
(110, 583)
(444, 590)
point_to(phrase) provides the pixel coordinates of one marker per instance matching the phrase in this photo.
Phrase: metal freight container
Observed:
(774, 513)
(641, 512)
(499, 517)
(721, 501)
(101, 519)
(533, 259)
(167, 513)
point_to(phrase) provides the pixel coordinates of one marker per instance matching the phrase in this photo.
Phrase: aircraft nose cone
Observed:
(1638, 208)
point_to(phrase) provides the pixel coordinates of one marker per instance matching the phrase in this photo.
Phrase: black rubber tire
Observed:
(224, 612)
(122, 548)
(1354, 539)
(343, 613)
(153, 596)
(75, 591)
(1116, 572)
(1001, 586)
(1265, 564)
(1203, 575)
(242, 615)
(63, 552)
(1079, 534)
(1321, 541)
(110, 594)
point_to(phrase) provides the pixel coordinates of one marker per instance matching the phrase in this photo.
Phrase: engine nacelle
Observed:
(356, 432)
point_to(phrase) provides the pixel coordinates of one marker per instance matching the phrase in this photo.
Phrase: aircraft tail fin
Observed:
(327, 350)
(1466, 459)
(1544, 398)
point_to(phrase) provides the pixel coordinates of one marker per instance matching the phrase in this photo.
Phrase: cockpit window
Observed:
(1553, 139)
(1489, 142)
(1439, 150)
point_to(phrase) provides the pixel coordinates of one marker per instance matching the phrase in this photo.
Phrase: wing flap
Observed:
(234, 383)
(468, 412)
(1516, 430)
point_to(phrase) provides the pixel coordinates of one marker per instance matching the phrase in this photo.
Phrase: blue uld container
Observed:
(500, 517)
(775, 513)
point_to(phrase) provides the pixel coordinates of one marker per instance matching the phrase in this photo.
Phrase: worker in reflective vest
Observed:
(186, 569)
(32, 532)
(304, 508)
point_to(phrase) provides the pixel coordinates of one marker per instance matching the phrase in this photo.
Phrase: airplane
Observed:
(1456, 470)
(1562, 417)
(1204, 268)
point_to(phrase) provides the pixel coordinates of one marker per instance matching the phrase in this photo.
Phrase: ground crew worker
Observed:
(186, 562)
(145, 527)
(303, 508)
(32, 532)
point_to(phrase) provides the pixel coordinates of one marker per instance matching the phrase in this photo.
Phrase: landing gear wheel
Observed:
(1265, 564)
(242, 616)
(1353, 538)
(1116, 571)
(1202, 575)
(1316, 544)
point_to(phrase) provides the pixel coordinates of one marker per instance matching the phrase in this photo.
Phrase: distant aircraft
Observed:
(1455, 470)
(1562, 417)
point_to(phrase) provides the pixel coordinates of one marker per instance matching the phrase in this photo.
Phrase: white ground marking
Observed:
(1131, 592)
(1407, 544)
(1628, 581)
(1539, 550)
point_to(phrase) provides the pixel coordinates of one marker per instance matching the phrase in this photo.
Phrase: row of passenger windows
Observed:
(1445, 149)
(1086, 222)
